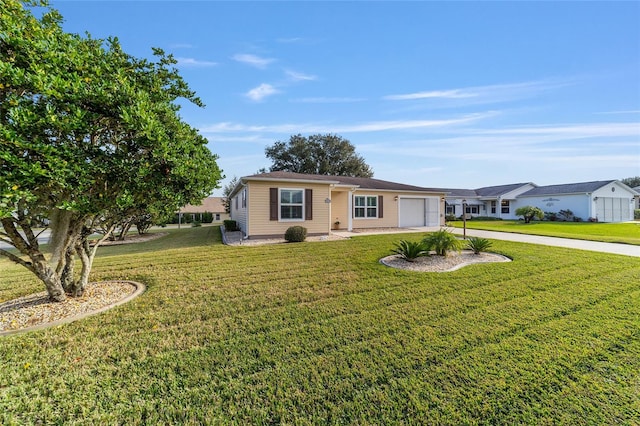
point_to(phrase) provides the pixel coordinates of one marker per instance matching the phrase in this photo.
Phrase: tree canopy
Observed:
(88, 134)
(631, 182)
(318, 154)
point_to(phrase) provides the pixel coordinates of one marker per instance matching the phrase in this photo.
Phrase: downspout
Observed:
(350, 214)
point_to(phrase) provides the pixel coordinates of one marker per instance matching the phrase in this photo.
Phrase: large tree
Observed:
(88, 133)
(318, 154)
(631, 182)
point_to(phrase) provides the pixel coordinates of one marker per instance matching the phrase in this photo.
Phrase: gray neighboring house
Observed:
(604, 201)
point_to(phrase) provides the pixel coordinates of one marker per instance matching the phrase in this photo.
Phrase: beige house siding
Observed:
(340, 209)
(258, 209)
(391, 210)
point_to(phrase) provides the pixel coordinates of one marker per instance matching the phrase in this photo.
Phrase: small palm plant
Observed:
(478, 244)
(441, 242)
(409, 250)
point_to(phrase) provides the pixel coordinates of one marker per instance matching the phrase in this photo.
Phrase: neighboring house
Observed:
(490, 201)
(265, 205)
(604, 201)
(211, 205)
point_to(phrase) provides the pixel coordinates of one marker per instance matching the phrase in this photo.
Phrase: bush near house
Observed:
(636, 214)
(529, 213)
(295, 234)
(230, 225)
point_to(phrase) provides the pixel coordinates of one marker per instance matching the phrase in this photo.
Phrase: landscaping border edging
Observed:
(139, 289)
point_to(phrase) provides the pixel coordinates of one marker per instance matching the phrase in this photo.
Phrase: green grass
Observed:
(627, 233)
(321, 333)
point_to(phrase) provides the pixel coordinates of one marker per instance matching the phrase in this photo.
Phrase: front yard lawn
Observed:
(628, 232)
(321, 333)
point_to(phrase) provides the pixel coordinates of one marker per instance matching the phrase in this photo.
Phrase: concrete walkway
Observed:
(613, 248)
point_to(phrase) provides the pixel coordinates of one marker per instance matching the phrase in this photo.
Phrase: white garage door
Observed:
(419, 212)
(611, 209)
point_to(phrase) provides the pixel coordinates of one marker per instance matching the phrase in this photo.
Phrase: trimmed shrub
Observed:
(478, 244)
(295, 234)
(231, 225)
(441, 242)
(636, 214)
(196, 224)
(409, 250)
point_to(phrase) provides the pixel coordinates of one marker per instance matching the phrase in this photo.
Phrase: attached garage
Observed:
(609, 209)
(415, 212)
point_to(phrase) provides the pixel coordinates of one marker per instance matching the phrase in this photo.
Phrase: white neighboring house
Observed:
(491, 201)
(604, 201)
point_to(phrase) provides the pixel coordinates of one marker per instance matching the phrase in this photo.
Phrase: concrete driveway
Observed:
(613, 248)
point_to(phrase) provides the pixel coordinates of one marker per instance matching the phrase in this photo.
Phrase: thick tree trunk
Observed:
(50, 279)
(68, 272)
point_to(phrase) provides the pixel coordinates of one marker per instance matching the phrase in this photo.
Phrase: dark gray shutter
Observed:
(308, 204)
(273, 203)
(380, 197)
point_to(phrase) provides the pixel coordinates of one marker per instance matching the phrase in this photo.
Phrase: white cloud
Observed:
(253, 60)
(374, 126)
(257, 94)
(298, 76)
(181, 46)
(323, 100)
(620, 112)
(191, 62)
(485, 94)
(447, 94)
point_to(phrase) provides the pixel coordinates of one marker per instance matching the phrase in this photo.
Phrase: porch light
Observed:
(464, 219)
(395, 198)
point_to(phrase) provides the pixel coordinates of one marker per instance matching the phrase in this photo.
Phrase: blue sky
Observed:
(435, 94)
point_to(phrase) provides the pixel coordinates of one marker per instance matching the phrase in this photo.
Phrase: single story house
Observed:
(604, 201)
(265, 205)
(211, 205)
(491, 201)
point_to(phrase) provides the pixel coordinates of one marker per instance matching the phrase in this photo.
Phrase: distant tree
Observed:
(631, 182)
(318, 154)
(529, 212)
(226, 192)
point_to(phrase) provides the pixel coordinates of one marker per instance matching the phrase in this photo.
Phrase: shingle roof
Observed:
(362, 183)
(567, 188)
(487, 191)
(209, 204)
(458, 193)
(494, 191)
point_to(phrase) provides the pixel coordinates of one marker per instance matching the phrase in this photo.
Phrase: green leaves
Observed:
(441, 242)
(87, 128)
(318, 154)
(410, 250)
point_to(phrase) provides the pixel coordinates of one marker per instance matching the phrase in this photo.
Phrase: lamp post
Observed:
(464, 219)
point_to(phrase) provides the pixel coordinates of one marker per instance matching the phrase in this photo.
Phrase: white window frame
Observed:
(366, 207)
(505, 207)
(281, 204)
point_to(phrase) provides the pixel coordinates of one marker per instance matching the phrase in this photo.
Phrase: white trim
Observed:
(280, 219)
